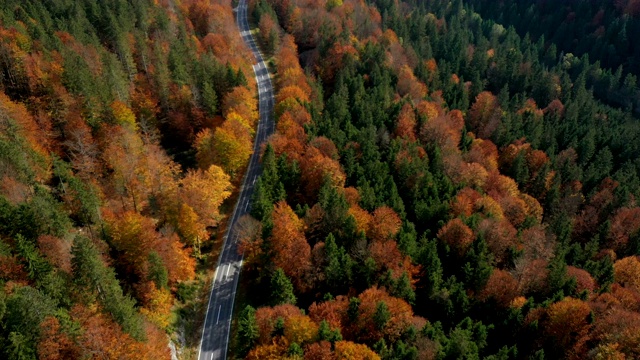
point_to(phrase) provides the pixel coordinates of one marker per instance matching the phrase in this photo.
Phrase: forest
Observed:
(448, 179)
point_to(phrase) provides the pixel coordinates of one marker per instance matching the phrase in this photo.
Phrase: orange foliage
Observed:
(621, 328)
(134, 236)
(57, 251)
(157, 307)
(625, 223)
(457, 235)
(501, 287)
(568, 325)
(387, 257)
(27, 128)
(318, 351)
(347, 350)
(384, 225)
(11, 269)
(484, 115)
(440, 129)
(627, 298)
(406, 123)
(266, 318)
(485, 153)
(627, 272)
(488, 207)
(334, 312)
(300, 329)
(584, 281)
(326, 147)
(204, 191)
(292, 253)
(429, 109)
(463, 203)
(499, 186)
(400, 319)
(409, 85)
(530, 107)
(292, 92)
(500, 236)
(334, 59)
(13, 190)
(362, 217)
(273, 351)
(515, 209)
(241, 101)
(176, 259)
(315, 167)
(54, 344)
(103, 336)
(531, 275)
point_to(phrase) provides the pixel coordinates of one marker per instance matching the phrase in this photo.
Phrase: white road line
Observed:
(219, 308)
(228, 267)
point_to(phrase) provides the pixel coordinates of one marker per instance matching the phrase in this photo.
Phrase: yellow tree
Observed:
(232, 145)
(199, 198)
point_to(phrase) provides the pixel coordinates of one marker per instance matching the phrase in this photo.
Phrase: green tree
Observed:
(281, 289)
(247, 330)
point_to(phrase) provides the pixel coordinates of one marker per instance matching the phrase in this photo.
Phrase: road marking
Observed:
(228, 267)
(246, 206)
(218, 319)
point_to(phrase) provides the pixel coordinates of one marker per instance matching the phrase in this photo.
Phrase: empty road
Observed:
(217, 325)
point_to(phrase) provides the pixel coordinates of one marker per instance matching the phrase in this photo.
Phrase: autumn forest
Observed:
(447, 180)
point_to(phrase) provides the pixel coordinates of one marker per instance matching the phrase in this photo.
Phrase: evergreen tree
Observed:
(281, 289)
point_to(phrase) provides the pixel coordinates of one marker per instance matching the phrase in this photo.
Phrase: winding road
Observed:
(217, 324)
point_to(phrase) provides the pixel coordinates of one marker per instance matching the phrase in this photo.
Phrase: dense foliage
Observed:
(441, 186)
(124, 126)
(448, 179)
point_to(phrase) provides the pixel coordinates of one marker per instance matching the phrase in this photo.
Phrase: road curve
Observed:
(217, 324)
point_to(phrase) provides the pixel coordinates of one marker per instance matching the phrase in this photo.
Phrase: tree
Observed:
(627, 272)
(384, 225)
(347, 350)
(291, 252)
(457, 235)
(247, 329)
(568, 325)
(501, 288)
(99, 282)
(232, 145)
(484, 115)
(281, 289)
(318, 351)
(204, 191)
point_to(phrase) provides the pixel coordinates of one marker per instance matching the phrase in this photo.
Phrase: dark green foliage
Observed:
(94, 278)
(157, 271)
(247, 330)
(35, 265)
(281, 289)
(325, 332)
(295, 350)
(382, 315)
(339, 264)
(26, 308)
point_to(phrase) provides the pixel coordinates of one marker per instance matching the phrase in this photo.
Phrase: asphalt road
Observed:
(217, 325)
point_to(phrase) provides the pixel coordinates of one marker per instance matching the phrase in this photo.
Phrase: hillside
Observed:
(448, 179)
(439, 187)
(124, 126)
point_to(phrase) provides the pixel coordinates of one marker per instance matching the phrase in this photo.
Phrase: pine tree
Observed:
(247, 330)
(281, 289)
